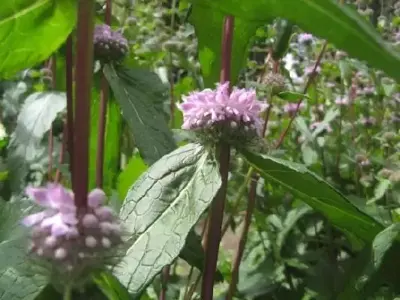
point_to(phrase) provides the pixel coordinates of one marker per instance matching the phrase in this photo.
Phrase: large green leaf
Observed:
(317, 193)
(161, 208)
(209, 33)
(111, 141)
(31, 30)
(139, 94)
(327, 19)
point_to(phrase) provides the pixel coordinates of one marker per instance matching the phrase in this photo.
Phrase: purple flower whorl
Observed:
(71, 242)
(219, 115)
(109, 45)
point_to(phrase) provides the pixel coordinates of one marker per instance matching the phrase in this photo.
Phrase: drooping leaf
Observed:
(161, 208)
(327, 19)
(35, 119)
(193, 253)
(130, 174)
(139, 93)
(31, 30)
(209, 33)
(317, 193)
(111, 141)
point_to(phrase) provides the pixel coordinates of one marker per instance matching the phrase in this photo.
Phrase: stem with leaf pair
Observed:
(213, 236)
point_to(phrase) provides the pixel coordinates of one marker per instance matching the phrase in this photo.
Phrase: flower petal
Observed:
(33, 219)
(96, 198)
(39, 195)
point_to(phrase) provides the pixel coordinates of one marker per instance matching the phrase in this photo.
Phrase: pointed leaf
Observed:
(161, 208)
(31, 30)
(317, 193)
(382, 243)
(139, 94)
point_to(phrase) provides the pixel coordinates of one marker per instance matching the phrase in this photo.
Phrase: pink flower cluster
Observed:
(207, 108)
(61, 233)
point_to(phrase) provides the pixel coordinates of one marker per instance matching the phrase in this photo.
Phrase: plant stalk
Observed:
(104, 95)
(69, 64)
(309, 81)
(213, 237)
(83, 83)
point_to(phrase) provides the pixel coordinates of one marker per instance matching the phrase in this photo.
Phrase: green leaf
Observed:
(111, 161)
(139, 94)
(130, 174)
(209, 34)
(111, 287)
(328, 19)
(292, 96)
(317, 193)
(380, 190)
(16, 280)
(34, 121)
(161, 208)
(291, 220)
(383, 242)
(193, 253)
(31, 30)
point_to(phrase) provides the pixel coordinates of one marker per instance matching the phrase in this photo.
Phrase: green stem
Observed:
(67, 293)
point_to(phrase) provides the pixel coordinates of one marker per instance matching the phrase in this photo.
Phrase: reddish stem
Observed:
(217, 207)
(53, 67)
(309, 81)
(50, 149)
(243, 239)
(84, 68)
(102, 131)
(164, 282)
(69, 64)
(104, 95)
(62, 152)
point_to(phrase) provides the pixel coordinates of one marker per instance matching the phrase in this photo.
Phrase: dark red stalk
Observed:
(217, 207)
(53, 67)
(243, 238)
(69, 64)
(164, 282)
(104, 95)
(83, 83)
(62, 151)
(309, 81)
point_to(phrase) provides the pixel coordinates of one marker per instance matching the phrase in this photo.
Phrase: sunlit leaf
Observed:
(31, 30)
(161, 208)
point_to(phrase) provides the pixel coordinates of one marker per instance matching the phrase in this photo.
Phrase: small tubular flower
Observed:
(74, 242)
(109, 45)
(224, 113)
